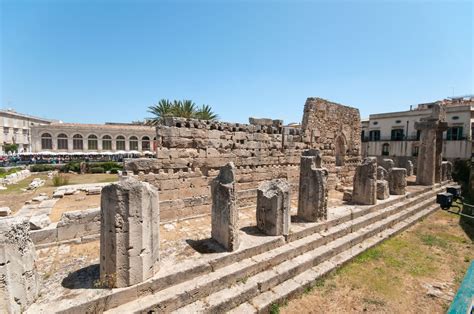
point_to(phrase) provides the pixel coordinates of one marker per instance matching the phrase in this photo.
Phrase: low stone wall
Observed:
(76, 225)
(15, 177)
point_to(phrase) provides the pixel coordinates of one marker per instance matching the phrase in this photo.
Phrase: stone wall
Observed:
(190, 153)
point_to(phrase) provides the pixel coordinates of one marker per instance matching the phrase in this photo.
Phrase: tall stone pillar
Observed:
(129, 235)
(225, 214)
(19, 280)
(365, 182)
(273, 207)
(431, 146)
(313, 192)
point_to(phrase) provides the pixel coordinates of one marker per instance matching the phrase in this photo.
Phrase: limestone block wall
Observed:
(190, 153)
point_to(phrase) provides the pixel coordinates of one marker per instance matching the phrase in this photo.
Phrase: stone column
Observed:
(431, 146)
(449, 170)
(225, 214)
(382, 173)
(19, 280)
(313, 192)
(129, 238)
(365, 183)
(273, 207)
(409, 167)
(397, 181)
(383, 191)
(388, 164)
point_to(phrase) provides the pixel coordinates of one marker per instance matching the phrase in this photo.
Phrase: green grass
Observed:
(4, 173)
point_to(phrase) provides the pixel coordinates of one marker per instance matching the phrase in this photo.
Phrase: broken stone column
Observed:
(365, 182)
(446, 170)
(397, 181)
(382, 173)
(383, 191)
(273, 207)
(225, 214)
(129, 236)
(19, 280)
(313, 192)
(431, 144)
(409, 167)
(388, 164)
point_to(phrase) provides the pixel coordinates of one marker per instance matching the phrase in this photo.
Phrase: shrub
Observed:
(2, 170)
(60, 179)
(72, 166)
(107, 165)
(97, 170)
(114, 170)
(41, 168)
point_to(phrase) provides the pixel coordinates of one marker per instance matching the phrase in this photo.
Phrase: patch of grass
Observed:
(60, 180)
(432, 240)
(275, 308)
(369, 255)
(373, 301)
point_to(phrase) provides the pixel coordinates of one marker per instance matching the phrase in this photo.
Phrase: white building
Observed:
(393, 134)
(15, 128)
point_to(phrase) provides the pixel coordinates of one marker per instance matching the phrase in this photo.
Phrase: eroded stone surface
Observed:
(383, 191)
(129, 239)
(19, 280)
(273, 207)
(382, 173)
(225, 214)
(365, 183)
(446, 170)
(313, 192)
(410, 168)
(397, 181)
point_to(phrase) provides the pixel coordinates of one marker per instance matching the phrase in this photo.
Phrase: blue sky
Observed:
(96, 61)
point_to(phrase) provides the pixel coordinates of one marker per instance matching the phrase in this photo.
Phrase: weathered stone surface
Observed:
(388, 164)
(383, 191)
(446, 170)
(129, 239)
(38, 222)
(93, 190)
(365, 183)
(431, 146)
(225, 214)
(397, 181)
(313, 192)
(347, 195)
(19, 280)
(273, 207)
(5, 211)
(410, 168)
(382, 173)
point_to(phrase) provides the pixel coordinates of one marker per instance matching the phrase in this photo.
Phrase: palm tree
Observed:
(163, 109)
(205, 113)
(177, 108)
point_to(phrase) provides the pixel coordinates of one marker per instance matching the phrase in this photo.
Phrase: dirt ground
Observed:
(418, 271)
(15, 198)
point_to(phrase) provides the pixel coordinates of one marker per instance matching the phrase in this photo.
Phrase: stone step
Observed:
(174, 297)
(295, 286)
(238, 293)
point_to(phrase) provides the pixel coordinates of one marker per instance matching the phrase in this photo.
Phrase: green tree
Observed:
(10, 148)
(178, 108)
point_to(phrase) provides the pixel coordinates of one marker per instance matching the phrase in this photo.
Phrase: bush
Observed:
(97, 170)
(60, 179)
(41, 168)
(114, 170)
(107, 165)
(72, 166)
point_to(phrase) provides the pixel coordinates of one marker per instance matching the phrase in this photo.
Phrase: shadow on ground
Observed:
(205, 246)
(84, 278)
(467, 224)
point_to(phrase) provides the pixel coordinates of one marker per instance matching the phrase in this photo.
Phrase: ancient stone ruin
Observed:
(397, 181)
(225, 214)
(273, 207)
(129, 240)
(19, 280)
(313, 191)
(365, 183)
(431, 146)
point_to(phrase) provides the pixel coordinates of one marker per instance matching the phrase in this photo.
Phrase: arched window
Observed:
(385, 149)
(145, 143)
(133, 143)
(62, 141)
(106, 142)
(92, 142)
(77, 142)
(120, 142)
(46, 141)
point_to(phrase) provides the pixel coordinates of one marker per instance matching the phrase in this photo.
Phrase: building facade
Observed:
(394, 135)
(75, 137)
(15, 128)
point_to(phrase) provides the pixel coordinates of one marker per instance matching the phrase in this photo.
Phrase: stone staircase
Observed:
(251, 279)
